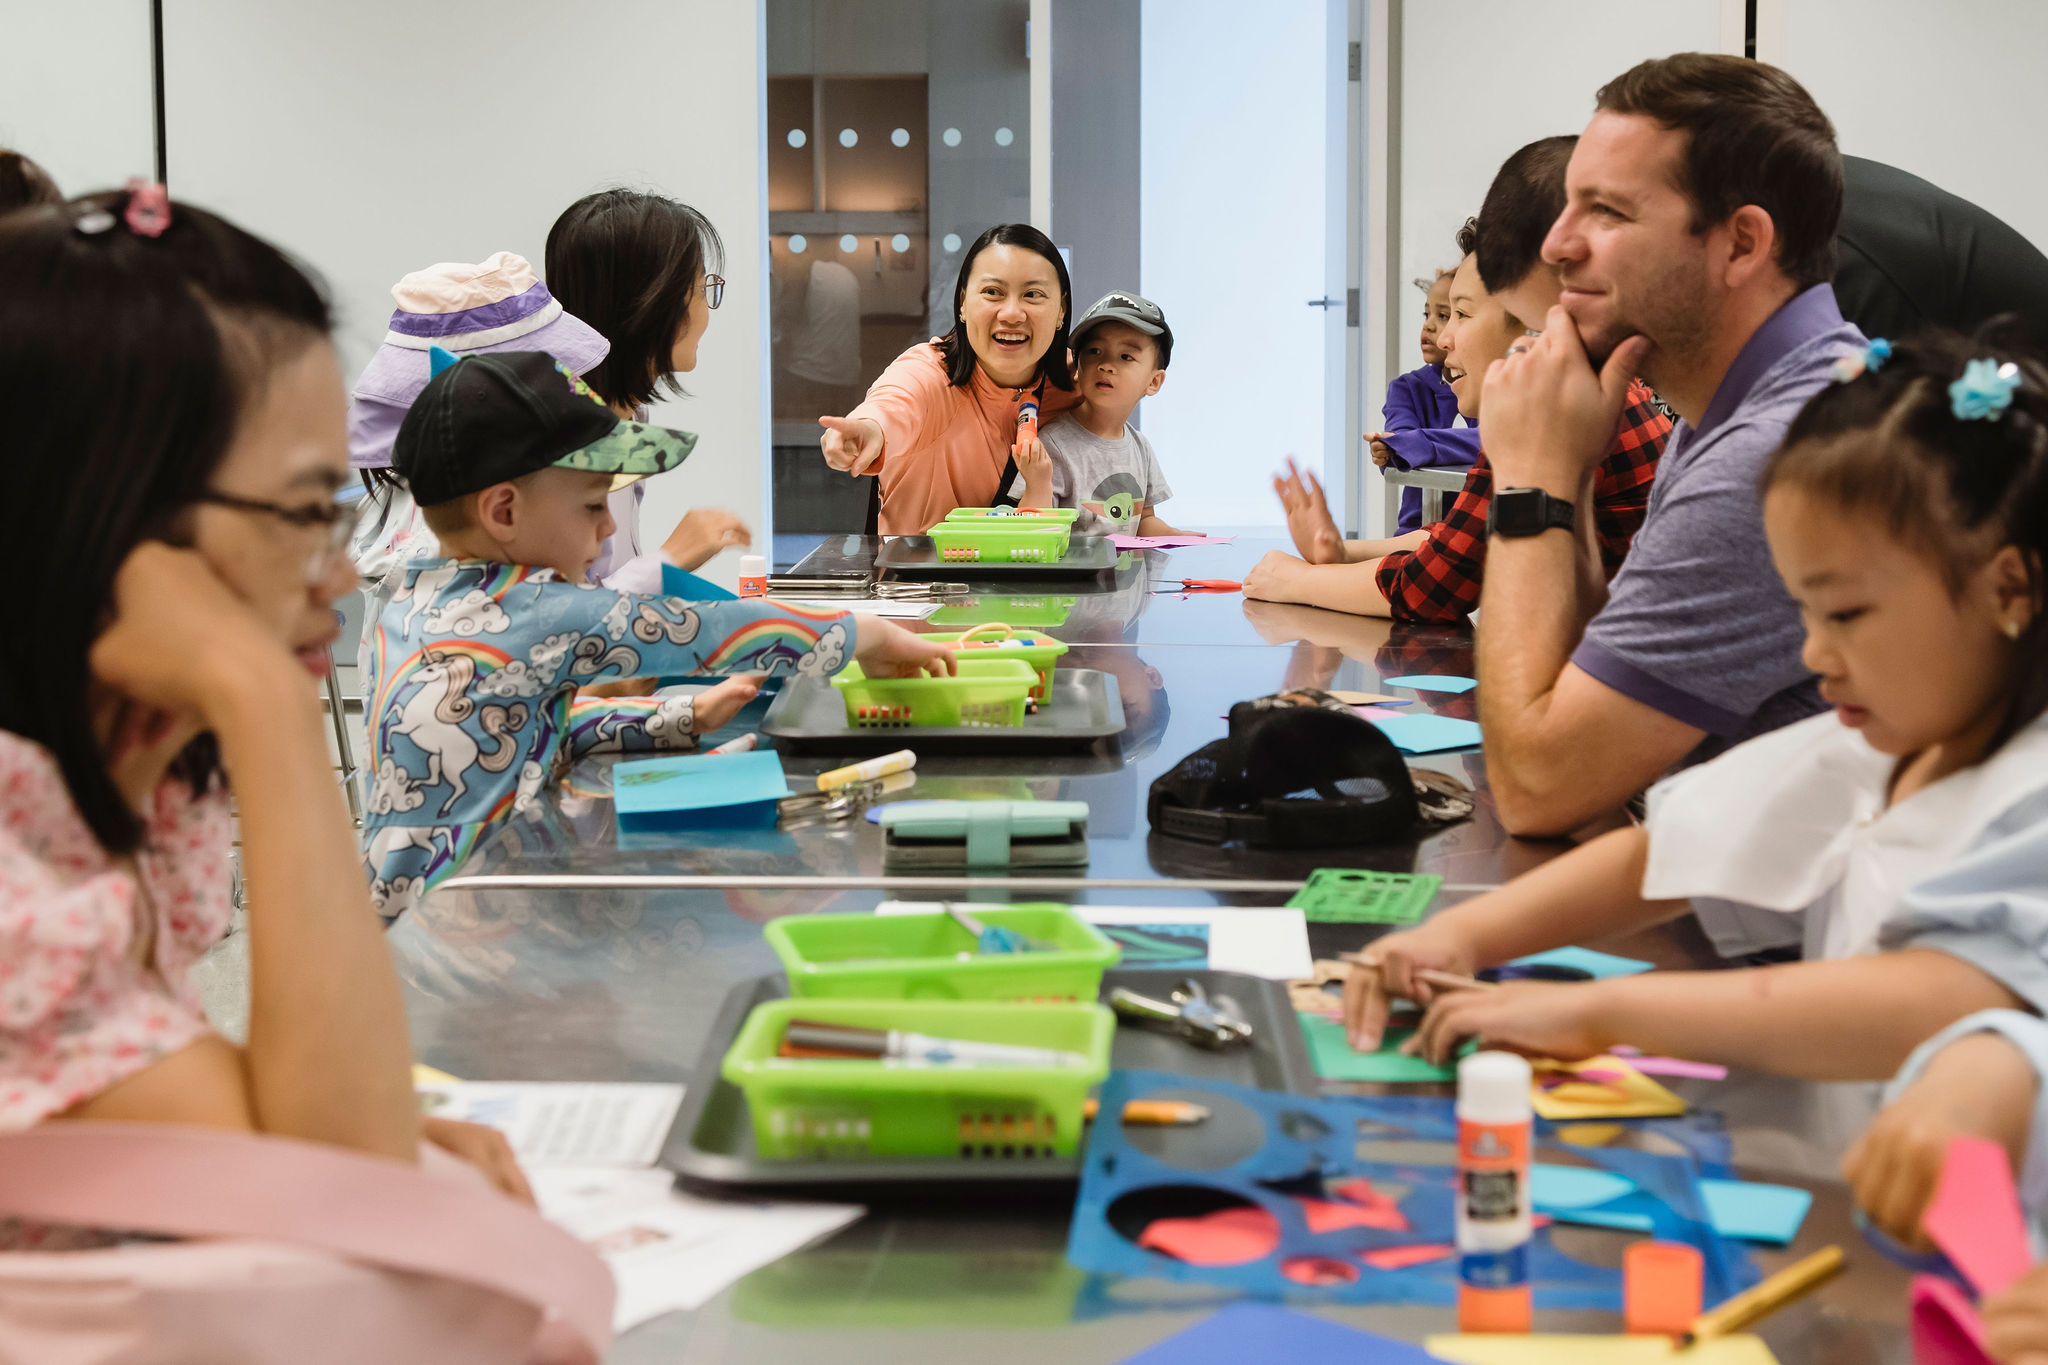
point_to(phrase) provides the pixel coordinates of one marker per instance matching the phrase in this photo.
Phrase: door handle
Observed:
(1326, 302)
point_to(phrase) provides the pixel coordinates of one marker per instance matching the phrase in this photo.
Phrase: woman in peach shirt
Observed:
(939, 428)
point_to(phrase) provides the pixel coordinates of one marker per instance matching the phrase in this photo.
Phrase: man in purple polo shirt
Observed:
(1695, 249)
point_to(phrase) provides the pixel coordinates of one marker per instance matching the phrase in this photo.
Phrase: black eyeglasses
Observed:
(714, 290)
(336, 519)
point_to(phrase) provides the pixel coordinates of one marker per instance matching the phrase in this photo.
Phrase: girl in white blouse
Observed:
(1907, 514)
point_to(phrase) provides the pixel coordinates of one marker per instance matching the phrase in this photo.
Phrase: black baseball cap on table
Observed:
(487, 418)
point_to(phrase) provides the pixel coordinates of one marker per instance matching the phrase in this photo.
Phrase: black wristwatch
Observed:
(1527, 512)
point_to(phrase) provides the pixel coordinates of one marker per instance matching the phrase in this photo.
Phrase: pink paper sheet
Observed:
(1400, 1258)
(1975, 1218)
(1123, 542)
(1673, 1066)
(1946, 1329)
(1226, 1237)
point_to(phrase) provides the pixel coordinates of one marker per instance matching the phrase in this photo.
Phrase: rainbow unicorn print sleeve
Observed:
(475, 666)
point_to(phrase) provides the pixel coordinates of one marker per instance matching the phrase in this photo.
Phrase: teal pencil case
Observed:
(979, 834)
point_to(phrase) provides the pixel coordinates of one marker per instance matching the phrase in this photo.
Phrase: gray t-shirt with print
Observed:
(1113, 483)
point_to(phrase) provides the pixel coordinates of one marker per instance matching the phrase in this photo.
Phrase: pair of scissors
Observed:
(1188, 585)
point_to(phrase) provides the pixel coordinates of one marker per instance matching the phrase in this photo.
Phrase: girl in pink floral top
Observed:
(175, 442)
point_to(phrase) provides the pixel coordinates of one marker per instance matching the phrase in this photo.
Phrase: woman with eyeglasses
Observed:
(175, 446)
(639, 268)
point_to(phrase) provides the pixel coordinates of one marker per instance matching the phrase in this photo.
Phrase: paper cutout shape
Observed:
(1376, 713)
(1975, 1218)
(1363, 1205)
(1335, 1060)
(1431, 682)
(1600, 965)
(1400, 1258)
(1946, 1328)
(1124, 542)
(1736, 1208)
(1560, 1189)
(688, 586)
(1592, 1350)
(1318, 1270)
(699, 791)
(1662, 1286)
(1259, 1331)
(1620, 1092)
(1674, 1066)
(1755, 1212)
(1226, 1237)
(1426, 734)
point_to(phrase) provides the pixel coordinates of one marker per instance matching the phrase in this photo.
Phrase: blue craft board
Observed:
(1431, 682)
(686, 585)
(1601, 965)
(1736, 1208)
(699, 791)
(1248, 1332)
(1429, 734)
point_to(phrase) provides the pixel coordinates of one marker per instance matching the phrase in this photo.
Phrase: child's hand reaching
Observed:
(1035, 464)
(887, 650)
(1308, 516)
(1376, 445)
(701, 534)
(1534, 1018)
(484, 1148)
(1979, 1086)
(2016, 1322)
(714, 706)
(1403, 959)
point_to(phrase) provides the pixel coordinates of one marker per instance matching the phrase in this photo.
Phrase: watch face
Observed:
(1515, 512)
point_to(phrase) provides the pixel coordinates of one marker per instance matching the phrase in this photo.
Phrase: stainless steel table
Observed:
(511, 973)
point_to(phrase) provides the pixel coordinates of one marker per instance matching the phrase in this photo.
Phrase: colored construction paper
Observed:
(1226, 1237)
(1600, 965)
(1975, 1218)
(1358, 1205)
(1376, 713)
(1673, 1066)
(1946, 1328)
(1335, 1060)
(1400, 1258)
(1431, 682)
(688, 586)
(1754, 1212)
(1592, 1350)
(699, 791)
(1558, 1093)
(1246, 1332)
(1124, 542)
(1426, 734)
(1559, 1189)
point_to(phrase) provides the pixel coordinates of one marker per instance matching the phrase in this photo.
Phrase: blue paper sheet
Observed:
(1248, 1332)
(699, 791)
(686, 585)
(1431, 682)
(1601, 1199)
(1755, 1213)
(1601, 965)
(1552, 1188)
(1429, 734)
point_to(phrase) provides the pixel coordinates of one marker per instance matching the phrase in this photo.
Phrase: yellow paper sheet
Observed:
(422, 1074)
(1591, 1350)
(1633, 1096)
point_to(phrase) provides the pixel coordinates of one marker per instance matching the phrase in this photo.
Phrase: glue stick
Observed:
(1493, 1193)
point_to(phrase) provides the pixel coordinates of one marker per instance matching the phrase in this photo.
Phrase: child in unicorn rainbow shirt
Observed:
(478, 657)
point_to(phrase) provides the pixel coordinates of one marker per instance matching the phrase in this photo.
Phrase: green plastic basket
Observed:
(1000, 540)
(985, 692)
(829, 1109)
(1038, 612)
(918, 957)
(1042, 652)
(1061, 516)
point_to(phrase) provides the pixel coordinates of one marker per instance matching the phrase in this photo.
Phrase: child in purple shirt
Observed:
(1421, 411)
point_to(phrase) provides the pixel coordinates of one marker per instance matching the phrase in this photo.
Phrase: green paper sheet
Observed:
(1335, 1061)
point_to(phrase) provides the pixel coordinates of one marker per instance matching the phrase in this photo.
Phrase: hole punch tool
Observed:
(841, 803)
(920, 591)
(1189, 1013)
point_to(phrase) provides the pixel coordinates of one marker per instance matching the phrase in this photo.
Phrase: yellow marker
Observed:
(1795, 1280)
(902, 761)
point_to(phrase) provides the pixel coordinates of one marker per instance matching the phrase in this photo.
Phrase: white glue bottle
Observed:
(753, 575)
(1494, 1123)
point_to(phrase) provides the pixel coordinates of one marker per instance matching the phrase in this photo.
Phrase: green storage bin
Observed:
(1037, 612)
(1000, 540)
(985, 692)
(831, 1110)
(1002, 641)
(917, 957)
(1062, 516)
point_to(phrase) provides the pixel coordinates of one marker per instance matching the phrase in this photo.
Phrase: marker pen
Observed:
(902, 761)
(1494, 1121)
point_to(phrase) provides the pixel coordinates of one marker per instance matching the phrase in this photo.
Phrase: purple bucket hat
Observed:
(498, 304)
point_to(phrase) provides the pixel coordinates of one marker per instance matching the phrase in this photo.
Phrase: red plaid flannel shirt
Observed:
(1439, 579)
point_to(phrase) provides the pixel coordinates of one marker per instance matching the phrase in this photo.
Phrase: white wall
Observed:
(1951, 91)
(1232, 212)
(1483, 77)
(379, 136)
(76, 89)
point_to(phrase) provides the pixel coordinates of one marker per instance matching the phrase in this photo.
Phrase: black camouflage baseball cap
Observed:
(488, 417)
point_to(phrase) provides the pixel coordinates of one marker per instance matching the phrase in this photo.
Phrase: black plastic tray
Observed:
(917, 557)
(711, 1146)
(1081, 706)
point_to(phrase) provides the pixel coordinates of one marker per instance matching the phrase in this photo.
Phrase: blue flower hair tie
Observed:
(1870, 361)
(1985, 390)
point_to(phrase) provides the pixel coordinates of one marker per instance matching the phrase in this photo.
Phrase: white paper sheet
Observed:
(670, 1251)
(1262, 942)
(565, 1123)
